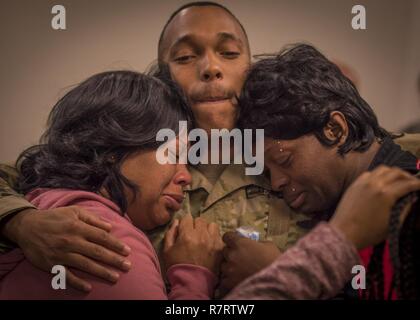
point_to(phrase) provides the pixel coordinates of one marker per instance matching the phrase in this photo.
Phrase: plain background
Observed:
(38, 64)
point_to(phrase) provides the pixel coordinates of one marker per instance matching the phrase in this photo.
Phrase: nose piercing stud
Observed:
(293, 189)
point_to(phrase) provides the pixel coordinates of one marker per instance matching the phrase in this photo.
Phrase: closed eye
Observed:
(285, 162)
(184, 59)
(230, 54)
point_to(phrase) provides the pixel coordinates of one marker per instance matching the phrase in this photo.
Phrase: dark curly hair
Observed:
(94, 127)
(292, 93)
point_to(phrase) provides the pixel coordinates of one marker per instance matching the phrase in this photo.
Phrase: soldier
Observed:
(206, 51)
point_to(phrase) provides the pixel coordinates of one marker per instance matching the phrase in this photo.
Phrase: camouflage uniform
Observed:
(234, 200)
(410, 143)
(10, 201)
(239, 200)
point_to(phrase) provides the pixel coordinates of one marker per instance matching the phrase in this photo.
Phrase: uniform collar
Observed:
(232, 178)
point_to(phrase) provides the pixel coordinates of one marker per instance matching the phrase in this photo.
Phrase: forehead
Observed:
(271, 144)
(201, 22)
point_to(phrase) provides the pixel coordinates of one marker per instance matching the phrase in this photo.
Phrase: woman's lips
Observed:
(174, 201)
(298, 201)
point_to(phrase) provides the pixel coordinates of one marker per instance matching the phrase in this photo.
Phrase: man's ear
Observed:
(337, 129)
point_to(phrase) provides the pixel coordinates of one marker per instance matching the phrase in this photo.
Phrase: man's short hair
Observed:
(195, 4)
(293, 93)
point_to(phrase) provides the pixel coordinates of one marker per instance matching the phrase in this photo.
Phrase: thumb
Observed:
(230, 238)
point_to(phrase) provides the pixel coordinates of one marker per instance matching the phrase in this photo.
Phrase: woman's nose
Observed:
(183, 176)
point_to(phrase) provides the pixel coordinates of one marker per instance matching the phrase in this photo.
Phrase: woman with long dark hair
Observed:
(99, 152)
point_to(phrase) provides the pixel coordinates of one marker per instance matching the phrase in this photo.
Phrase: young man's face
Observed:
(208, 56)
(309, 174)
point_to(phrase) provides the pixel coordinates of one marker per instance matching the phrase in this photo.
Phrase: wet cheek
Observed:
(167, 175)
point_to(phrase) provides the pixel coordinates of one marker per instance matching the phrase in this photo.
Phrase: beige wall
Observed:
(38, 64)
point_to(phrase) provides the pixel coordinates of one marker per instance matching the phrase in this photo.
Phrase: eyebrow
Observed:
(224, 36)
(191, 39)
(188, 38)
(286, 152)
(266, 148)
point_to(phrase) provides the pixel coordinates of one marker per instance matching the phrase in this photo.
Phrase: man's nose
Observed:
(183, 176)
(210, 68)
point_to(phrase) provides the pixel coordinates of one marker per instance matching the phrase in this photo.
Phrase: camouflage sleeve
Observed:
(11, 202)
(410, 142)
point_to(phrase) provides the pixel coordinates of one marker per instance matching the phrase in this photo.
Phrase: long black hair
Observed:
(93, 128)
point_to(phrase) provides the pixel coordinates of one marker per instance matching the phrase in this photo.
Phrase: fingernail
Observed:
(126, 265)
(114, 276)
(87, 287)
(126, 249)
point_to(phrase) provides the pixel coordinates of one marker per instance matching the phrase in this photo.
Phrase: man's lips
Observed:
(174, 200)
(211, 99)
(296, 202)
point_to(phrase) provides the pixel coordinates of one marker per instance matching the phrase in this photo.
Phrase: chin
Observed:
(164, 217)
(309, 209)
(317, 211)
(217, 119)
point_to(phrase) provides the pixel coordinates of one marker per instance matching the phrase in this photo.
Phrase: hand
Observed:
(71, 237)
(244, 257)
(364, 211)
(194, 242)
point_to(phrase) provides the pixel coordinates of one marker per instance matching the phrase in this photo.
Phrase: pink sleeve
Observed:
(317, 267)
(144, 280)
(190, 282)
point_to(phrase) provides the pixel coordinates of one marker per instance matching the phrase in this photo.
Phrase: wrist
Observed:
(11, 228)
(348, 231)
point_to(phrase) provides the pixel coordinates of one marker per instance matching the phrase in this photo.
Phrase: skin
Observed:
(193, 241)
(68, 236)
(82, 240)
(362, 216)
(208, 56)
(301, 168)
(209, 66)
(325, 179)
(239, 258)
(160, 195)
